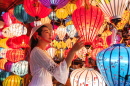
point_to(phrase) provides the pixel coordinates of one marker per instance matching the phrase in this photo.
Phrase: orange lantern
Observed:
(2, 63)
(3, 43)
(68, 43)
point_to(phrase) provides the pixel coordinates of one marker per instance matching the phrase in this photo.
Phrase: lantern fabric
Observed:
(3, 52)
(36, 9)
(20, 68)
(71, 31)
(98, 42)
(61, 13)
(2, 63)
(45, 20)
(7, 19)
(54, 43)
(102, 28)
(81, 3)
(54, 3)
(4, 75)
(2, 24)
(8, 66)
(86, 77)
(88, 22)
(51, 52)
(3, 43)
(13, 80)
(52, 16)
(61, 32)
(61, 44)
(113, 8)
(113, 63)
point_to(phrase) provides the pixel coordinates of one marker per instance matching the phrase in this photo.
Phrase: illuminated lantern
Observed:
(2, 24)
(20, 68)
(73, 1)
(74, 40)
(113, 8)
(61, 44)
(36, 9)
(61, 32)
(7, 33)
(54, 32)
(3, 52)
(71, 31)
(61, 13)
(68, 43)
(51, 51)
(66, 53)
(81, 3)
(97, 42)
(95, 52)
(8, 66)
(102, 28)
(68, 21)
(52, 16)
(35, 23)
(7, 19)
(60, 54)
(2, 63)
(17, 29)
(4, 75)
(13, 80)
(87, 21)
(113, 63)
(3, 43)
(45, 20)
(86, 77)
(15, 55)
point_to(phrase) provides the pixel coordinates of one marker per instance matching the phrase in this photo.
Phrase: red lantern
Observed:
(97, 42)
(15, 55)
(87, 21)
(36, 9)
(2, 63)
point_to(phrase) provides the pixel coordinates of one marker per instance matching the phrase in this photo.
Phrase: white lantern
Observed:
(2, 24)
(7, 33)
(86, 77)
(51, 51)
(20, 68)
(45, 20)
(61, 32)
(18, 29)
(37, 23)
(71, 30)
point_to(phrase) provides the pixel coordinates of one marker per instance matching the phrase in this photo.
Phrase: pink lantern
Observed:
(2, 24)
(8, 66)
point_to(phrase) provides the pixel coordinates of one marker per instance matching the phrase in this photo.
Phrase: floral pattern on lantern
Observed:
(2, 63)
(4, 75)
(86, 77)
(61, 32)
(52, 52)
(71, 31)
(20, 68)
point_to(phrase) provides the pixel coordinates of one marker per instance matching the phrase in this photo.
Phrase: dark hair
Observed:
(33, 41)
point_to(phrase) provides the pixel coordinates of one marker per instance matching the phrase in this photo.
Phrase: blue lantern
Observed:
(4, 74)
(114, 65)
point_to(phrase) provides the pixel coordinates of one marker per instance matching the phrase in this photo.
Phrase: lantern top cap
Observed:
(114, 45)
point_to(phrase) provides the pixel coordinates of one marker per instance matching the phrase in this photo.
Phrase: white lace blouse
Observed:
(43, 68)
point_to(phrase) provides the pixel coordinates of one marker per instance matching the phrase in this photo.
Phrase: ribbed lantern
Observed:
(71, 31)
(8, 66)
(86, 77)
(61, 13)
(113, 63)
(87, 21)
(61, 32)
(4, 75)
(21, 14)
(12, 80)
(113, 8)
(15, 55)
(3, 43)
(45, 20)
(3, 52)
(20, 68)
(2, 24)
(51, 51)
(2, 63)
(36, 9)
(7, 19)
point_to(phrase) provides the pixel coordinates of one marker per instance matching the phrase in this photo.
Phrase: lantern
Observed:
(7, 19)
(7, 33)
(2, 63)
(61, 44)
(51, 52)
(113, 8)
(86, 77)
(8, 66)
(3, 43)
(4, 75)
(61, 13)
(113, 63)
(87, 21)
(102, 28)
(18, 29)
(81, 3)
(98, 41)
(13, 80)
(71, 31)
(15, 55)
(3, 52)
(54, 43)
(52, 16)
(68, 43)
(61, 32)
(60, 54)
(20, 68)
(2, 24)
(45, 20)
(69, 23)
(36, 9)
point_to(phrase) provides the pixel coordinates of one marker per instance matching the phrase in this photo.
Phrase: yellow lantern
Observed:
(45, 20)
(61, 44)
(69, 23)
(61, 13)
(71, 8)
(2, 63)
(7, 33)
(12, 80)
(61, 32)
(54, 43)
(3, 42)
(3, 52)
(74, 40)
(69, 43)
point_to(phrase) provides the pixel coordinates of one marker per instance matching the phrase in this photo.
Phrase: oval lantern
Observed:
(15, 55)
(36, 9)
(2, 24)
(87, 22)
(20, 68)
(52, 16)
(61, 13)
(71, 31)
(2, 63)
(4, 75)
(45, 20)
(13, 80)
(86, 77)
(7, 19)
(113, 63)
(8, 66)
(51, 52)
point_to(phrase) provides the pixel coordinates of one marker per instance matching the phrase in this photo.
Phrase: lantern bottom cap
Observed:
(119, 45)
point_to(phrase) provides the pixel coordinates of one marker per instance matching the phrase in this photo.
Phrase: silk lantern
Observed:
(3, 52)
(3, 43)
(98, 41)
(87, 21)
(71, 31)
(20, 68)
(2, 63)
(2, 24)
(4, 75)
(45, 20)
(113, 63)
(86, 77)
(13, 80)
(8, 66)
(113, 8)
(51, 51)
(36, 9)
(61, 13)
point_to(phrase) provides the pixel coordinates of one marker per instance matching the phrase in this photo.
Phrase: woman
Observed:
(41, 64)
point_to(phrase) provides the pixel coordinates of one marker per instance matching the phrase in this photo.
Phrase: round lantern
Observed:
(86, 77)
(36, 9)
(36, 23)
(3, 43)
(7, 33)
(20, 68)
(113, 63)
(61, 32)
(51, 51)
(3, 52)
(97, 42)
(13, 80)
(81, 3)
(4, 75)
(54, 3)
(113, 8)
(61, 13)
(71, 31)
(8, 66)
(54, 43)
(52, 16)
(45, 20)
(2, 24)
(2, 63)
(18, 29)
(87, 22)
(15, 55)
(61, 44)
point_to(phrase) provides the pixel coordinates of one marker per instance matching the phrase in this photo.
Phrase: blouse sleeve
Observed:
(60, 72)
